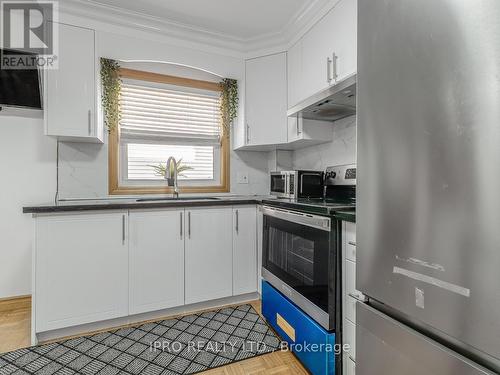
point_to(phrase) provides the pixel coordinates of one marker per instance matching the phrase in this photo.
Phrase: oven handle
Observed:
(313, 221)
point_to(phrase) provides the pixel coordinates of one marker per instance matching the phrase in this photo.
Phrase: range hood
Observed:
(331, 104)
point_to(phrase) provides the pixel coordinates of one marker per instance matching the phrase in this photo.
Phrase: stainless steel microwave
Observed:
(297, 184)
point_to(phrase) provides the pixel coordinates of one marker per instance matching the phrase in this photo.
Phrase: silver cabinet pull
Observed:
(248, 133)
(237, 221)
(328, 72)
(89, 119)
(189, 224)
(352, 243)
(334, 66)
(123, 229)
(181, 226)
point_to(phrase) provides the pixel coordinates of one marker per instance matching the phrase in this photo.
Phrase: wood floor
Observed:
(15, 321)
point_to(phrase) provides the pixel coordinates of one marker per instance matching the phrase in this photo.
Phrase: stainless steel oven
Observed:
(297, 184)
(299, 259)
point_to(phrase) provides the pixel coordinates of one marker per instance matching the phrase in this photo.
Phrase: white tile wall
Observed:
(341, 150)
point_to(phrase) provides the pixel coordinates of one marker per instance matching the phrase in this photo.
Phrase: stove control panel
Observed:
(341, 175)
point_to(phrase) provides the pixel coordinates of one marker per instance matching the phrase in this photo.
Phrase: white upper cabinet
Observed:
(294, 72)
(81, 263)
(70, 95)
(244, 249)
(156, 260)
(326, 54)
(266, 100)
(304, 133)
(208, 254)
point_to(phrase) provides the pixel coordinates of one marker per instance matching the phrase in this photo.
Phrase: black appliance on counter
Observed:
(297, 184)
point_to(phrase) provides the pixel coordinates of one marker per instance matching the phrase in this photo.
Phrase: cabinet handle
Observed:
(123, 229)
(89, 120)
(334, 66)
(328, 73)
(237, 221)
(189, 224)
(352, 243)
(248, 133)
(181, 226)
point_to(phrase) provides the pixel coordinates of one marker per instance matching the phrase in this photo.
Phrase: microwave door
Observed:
(278, 184)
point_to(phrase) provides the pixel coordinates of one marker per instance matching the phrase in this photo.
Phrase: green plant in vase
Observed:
(161, 168)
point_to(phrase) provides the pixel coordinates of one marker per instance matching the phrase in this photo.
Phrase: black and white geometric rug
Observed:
(184, 345)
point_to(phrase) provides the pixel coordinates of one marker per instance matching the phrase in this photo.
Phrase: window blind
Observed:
(179, 115)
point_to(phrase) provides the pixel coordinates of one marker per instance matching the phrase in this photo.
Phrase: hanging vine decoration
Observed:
(228, 103)
(111, 86)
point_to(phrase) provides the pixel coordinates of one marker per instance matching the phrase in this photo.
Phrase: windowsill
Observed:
(141, 190)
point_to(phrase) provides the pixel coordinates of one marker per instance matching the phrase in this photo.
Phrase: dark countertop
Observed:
(133, 203)
(342, 211)
(349, 215)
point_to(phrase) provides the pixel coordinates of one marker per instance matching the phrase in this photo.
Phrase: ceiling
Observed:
(243, 20)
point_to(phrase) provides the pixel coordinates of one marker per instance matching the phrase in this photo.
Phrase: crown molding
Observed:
(301, 21)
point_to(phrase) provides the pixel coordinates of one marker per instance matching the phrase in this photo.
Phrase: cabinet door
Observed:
(266, 100)
(260, 223)
(244, 250)
(156, 260)
(294, 74)
(71, 89)
(81, 273)
(317, 52)
(208, 254)
(343, 23)
(329, 48)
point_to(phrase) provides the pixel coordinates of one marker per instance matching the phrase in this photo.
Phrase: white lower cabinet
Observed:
(350, 295)
(156, 260)
(81, 269)
(208, 254)
(351, 367)
(96, 266)
(244, 250)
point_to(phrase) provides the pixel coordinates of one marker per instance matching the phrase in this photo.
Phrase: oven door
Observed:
(297, 258)
(279, 184)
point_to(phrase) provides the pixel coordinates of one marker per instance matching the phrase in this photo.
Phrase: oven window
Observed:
(299, 256)
(278, 184)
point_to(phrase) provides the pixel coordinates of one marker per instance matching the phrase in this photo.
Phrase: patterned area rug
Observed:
(185, 345)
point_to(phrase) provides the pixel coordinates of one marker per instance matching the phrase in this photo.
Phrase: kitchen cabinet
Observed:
(244, 250)
(208, 254)
(71, 89)
(350, 295)
(326, 54)
(266, 100)
(294, 74)
(81, 269)
(303, 132)
(260, 223)
(156, 246)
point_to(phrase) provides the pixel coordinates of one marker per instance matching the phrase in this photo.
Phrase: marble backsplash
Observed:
(341, 150)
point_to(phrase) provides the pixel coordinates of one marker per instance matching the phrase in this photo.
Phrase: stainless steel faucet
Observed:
(172, 181)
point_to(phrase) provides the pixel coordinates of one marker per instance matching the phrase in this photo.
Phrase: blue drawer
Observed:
(297, 328)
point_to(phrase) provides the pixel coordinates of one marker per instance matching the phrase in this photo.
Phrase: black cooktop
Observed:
(319, 206)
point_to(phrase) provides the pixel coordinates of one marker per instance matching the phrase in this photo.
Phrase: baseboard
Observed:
(15, 303)
(91, 328)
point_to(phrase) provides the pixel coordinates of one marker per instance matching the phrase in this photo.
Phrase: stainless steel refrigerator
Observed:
(428, 205)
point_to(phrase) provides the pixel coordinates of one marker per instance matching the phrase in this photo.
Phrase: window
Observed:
(163, 116)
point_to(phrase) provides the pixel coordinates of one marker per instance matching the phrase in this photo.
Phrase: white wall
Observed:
(28, 158)
(341, 150)
(28, 176)
(83, 167)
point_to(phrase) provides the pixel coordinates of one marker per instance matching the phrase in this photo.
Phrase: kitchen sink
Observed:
(159, 199)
